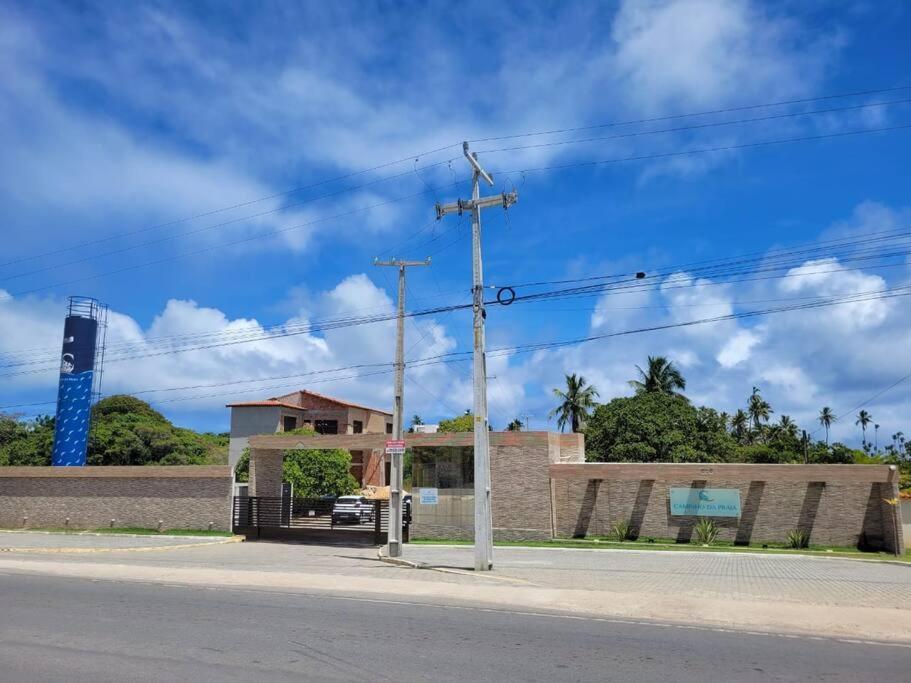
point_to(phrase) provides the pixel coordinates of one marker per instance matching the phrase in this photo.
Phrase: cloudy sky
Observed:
(214, 170)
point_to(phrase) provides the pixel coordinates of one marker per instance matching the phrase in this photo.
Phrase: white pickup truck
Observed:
(355, 509)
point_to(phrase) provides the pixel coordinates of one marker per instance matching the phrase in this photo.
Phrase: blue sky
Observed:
(117, 118)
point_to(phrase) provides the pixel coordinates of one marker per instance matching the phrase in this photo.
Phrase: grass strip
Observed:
(671, 546)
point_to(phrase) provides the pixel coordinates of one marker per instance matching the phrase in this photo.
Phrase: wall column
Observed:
(266, 472)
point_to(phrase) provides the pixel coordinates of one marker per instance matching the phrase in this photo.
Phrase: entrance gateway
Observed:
(269, 511)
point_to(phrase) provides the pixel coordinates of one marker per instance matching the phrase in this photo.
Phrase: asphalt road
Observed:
(78, 630)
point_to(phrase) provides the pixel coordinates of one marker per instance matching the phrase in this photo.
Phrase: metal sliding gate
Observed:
(309, 519)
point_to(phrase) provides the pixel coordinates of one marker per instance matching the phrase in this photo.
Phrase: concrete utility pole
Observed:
(483, 528)
(396, 471)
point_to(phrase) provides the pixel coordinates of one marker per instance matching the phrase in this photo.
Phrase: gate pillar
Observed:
(266, 472)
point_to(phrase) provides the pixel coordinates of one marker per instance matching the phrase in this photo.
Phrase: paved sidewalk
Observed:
(18, 541)
(797, 579)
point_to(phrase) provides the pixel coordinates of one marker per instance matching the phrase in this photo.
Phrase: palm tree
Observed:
(863, 419)
(515, 426)
(739, 424)
(788, 426)
(576, 401)
(875, 438)
(662, 377)
(758, 408)
(826, 418)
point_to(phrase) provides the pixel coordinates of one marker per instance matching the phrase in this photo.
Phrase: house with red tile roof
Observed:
(323, 414)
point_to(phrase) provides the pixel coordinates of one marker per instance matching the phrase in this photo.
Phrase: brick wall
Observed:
(91, 497)
(825, 502)
(266, 469)
(520, 488)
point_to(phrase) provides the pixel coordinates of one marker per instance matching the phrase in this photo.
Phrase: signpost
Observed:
(395, 447)
(430, 496)
(705, 502)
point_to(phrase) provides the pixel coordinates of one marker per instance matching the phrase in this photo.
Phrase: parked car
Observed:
(355, 509)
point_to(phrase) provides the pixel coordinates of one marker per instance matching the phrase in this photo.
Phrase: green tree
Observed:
(515, 426)
(661, 376)
(462, 423)
(656, 427)
(576, 402)
(788, 426)
(319, 473)
(314, 473)
(826, 418)
(864, 419)
(740, 426)
(415, 421)
(758, 409)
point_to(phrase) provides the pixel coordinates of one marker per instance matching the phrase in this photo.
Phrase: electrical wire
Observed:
(672, 117)
(699, 126)
(463, 356)
(708, 150)
(239, 205)
(783, 260)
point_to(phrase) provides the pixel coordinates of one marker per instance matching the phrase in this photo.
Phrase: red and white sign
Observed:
(395, 447)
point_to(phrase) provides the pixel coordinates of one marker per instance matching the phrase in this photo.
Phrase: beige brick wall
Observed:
(91, 497)
(520, 492)
(835, 513)
(266, 472)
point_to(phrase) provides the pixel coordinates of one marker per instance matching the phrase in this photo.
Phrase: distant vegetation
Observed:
(659, 424)
(314, 473)
(125, 431)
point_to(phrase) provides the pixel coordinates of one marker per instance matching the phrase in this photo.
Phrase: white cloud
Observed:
(835, 355)
(737, 349)
(37, 324)
(697, 53)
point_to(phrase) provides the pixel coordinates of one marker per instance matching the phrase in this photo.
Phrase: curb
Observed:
(140, 549)
(795, 555)
(399, 562)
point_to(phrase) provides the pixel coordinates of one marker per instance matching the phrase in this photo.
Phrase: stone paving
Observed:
(819, 581)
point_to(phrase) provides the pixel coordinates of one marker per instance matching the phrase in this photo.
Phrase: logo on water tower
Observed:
(67, 363)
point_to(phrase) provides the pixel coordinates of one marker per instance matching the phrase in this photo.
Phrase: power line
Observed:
(222, 245)
(196, 231)
(727, 110)
(699, 126)
(224, 338)
(867, 400)
(709, 150)
(463, 356)
(239, 205)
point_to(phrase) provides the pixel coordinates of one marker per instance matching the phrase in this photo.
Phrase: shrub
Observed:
(798, 538)
(621, 531)
(706, 531)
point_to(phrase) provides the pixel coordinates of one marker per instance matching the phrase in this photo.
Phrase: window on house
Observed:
(358, 427)
(326, 426)
(389, 428)
(289, 423)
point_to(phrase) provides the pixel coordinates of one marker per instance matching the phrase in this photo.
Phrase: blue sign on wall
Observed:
(705, 502)
(74, 394)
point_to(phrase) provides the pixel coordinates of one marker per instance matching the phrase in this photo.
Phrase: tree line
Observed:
(124, 431)
(660, 424)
